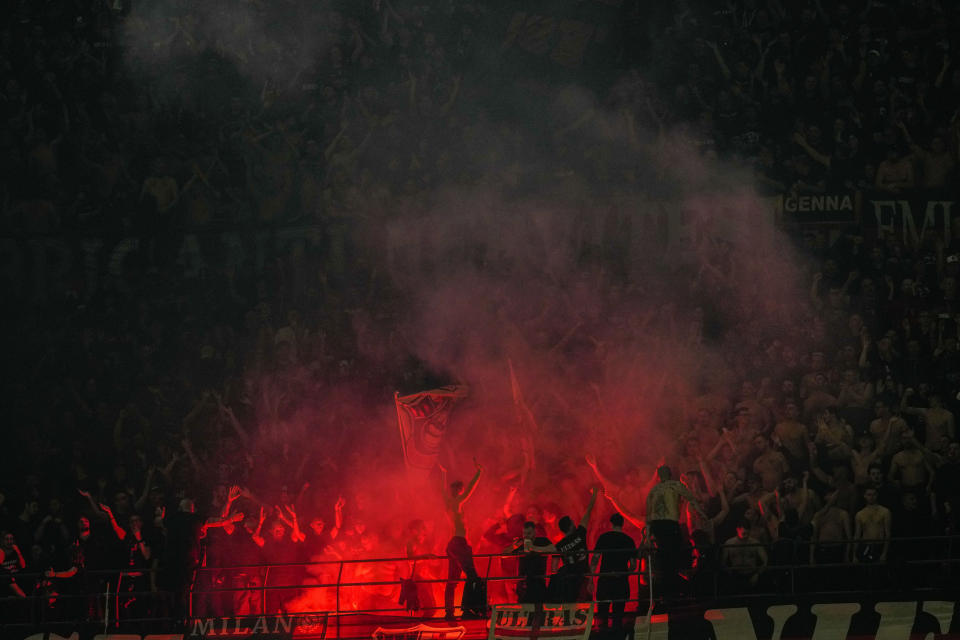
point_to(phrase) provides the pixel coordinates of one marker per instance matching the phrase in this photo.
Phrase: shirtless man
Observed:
(459, 553)
(866, 454)
(770, 464)
(909, 469)
(886, 429)
(798, 497)
(819, 397)
(853, 391)
(744, 557)
(831, 534)
(703, 489)
(938, 420)
(872, 530)
(818, 364)
(846, 493)
(663, 521)
(834, 435)
(792, 436)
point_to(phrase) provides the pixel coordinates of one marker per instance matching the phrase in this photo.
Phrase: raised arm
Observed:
(725, 439)
(630, 516)
(142, 500)
(337, 517)
(231, 417)
(191, 456)
(938, 83)
(821, 475)
(724, 509)
(454, 92)
(508, 502)
(69, 573)
(196, 410)
(724, 69)
(295, 534)
(691, 499)
(472, 485)
(585, 520)
(707, 478)
(219, 523)
(142, 546)
(234, 493)
(608, 486)
(444, 487)
(821, 158)
(332, 147)
(93, 505)
(912, 411)
(513, 547)
(117, 529)
(894, 473)
(255, 536)
(769, 507)
(171, 463)
(528, 452)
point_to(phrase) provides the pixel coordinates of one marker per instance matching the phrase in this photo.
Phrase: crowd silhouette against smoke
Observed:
(231, 231)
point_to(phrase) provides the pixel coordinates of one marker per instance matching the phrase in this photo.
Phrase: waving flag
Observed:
(423, 419)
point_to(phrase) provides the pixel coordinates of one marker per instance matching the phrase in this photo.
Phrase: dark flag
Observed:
(423, 419)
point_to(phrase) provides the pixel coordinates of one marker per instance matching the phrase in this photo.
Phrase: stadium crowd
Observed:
(148, 384)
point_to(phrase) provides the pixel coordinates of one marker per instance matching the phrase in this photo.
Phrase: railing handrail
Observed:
(514, 578)
(639, 552)
(711, 572)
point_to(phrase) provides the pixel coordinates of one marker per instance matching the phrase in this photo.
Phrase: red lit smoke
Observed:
(613, 352)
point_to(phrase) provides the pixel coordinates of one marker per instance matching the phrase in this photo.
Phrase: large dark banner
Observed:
(913, 217)
(805, 621)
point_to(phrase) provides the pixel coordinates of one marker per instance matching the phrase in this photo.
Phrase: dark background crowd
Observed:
(192, 220)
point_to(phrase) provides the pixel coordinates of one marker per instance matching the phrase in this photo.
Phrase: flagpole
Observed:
(403, 440)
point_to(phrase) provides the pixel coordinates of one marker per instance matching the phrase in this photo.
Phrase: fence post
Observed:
(339, 576)
(650, 582)
(718, 551)
(263, 592)
(39, 610)
(950, 558)
(106, 609)
(794, 566)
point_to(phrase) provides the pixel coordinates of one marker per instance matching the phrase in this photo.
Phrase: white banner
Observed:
(548, 621)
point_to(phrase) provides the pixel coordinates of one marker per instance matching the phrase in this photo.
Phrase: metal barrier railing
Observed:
(160, 606)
